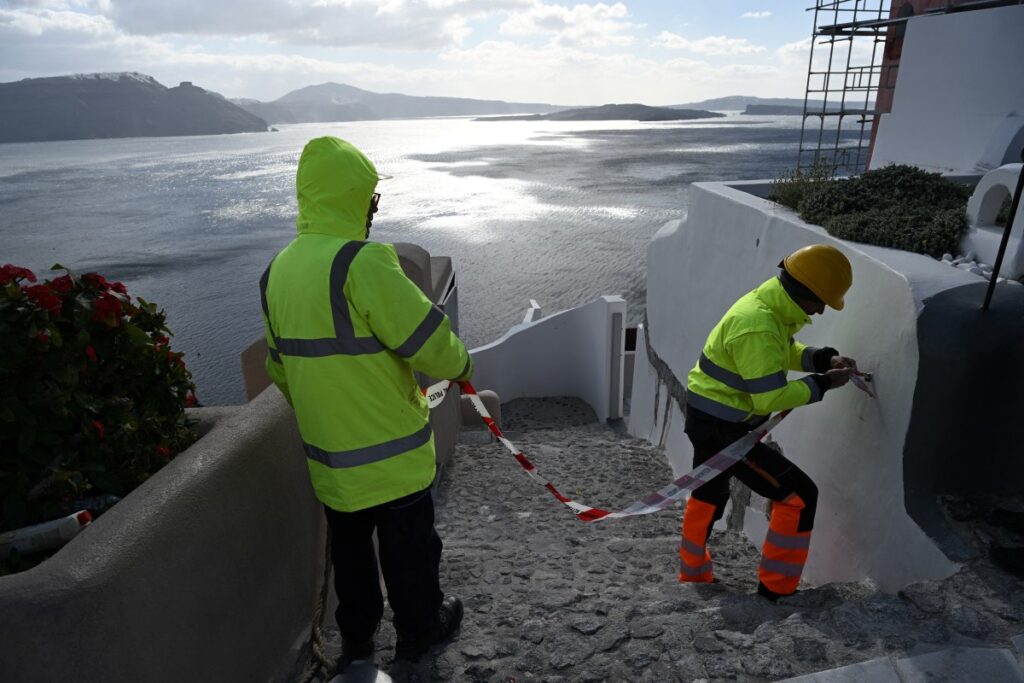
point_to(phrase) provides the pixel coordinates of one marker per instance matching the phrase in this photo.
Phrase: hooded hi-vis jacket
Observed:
(741, 373)
(346, 329)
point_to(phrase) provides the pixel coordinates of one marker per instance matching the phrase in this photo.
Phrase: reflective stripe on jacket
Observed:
(346, 329)
(741, 373)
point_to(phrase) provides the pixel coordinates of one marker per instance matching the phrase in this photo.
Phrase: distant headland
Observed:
(114, 105)
(130, 104)
(614, 112)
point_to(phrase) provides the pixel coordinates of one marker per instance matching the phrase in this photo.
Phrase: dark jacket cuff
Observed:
(822, 359)
(824, 383)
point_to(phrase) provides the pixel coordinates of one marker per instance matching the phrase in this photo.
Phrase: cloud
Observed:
(392, 24)
(565, 75)
(581, 25)
(797, 54)
(44, 42)
(711, 45)
(756, 15)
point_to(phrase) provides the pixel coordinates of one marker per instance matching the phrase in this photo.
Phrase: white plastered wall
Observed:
(984, 236)
(578, 352)
(850, 445)
(958, 104)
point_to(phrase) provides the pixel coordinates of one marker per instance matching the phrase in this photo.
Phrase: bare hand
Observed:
(840, 362)
(839, 376)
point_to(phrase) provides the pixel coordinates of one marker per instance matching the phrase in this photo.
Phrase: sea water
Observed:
(560, 212)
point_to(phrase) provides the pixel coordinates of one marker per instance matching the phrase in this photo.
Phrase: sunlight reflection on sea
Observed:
(556, 211)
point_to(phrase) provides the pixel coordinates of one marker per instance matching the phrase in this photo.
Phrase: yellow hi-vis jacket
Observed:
(741, 373)
(346, 329)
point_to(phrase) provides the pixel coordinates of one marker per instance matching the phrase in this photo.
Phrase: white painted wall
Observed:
(851, 445)
(984, 236)
(958, 104)
(572, 353)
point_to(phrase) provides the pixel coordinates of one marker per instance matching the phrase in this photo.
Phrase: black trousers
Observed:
(766, 471)
(410, 554)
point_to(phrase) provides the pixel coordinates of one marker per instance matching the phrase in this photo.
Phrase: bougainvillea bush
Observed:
(92, 397)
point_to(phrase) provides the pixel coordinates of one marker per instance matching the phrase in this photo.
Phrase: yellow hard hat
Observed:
(824, 270)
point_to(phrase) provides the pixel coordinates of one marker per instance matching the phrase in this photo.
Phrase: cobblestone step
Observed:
(549, 598)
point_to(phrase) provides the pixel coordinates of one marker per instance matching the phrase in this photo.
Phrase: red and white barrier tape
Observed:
(652, 502)
(857, 377)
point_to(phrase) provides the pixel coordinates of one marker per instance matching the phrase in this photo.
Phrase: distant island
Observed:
(773, 110)
(740, 102)
(340, 102)
(763, 106)
(114, 105)
(614, 112)
(129, 104)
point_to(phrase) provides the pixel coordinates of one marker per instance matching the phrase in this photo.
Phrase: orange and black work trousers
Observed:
(768, 473)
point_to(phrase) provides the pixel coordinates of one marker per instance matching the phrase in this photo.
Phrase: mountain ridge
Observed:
(331, 101)
(114, 105)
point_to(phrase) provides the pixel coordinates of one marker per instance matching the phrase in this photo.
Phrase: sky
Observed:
(654, 52)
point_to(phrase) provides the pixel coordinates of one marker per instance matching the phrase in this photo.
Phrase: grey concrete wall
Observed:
(207, 572)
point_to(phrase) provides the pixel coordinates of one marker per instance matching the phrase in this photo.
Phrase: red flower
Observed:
(107, 308)
(163, 451)
(91, 353)
(43, 335)
(119, 288)
(62, 284)
(191, 399)
(160, 340)
(43, 297)
(170, 356)
(96, 280)
(9, 272)
(98, 426)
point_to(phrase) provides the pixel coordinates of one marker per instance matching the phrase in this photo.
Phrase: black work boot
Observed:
(352, 651)
(766, 592)
(357, 650)
(446, 622)
(1011, 519)
(1009, 558)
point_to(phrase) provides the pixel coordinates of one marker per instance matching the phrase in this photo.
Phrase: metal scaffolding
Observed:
(851, 74)
(844, 76)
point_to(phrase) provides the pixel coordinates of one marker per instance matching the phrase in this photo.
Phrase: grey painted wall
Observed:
(207, 572)
(965, 427)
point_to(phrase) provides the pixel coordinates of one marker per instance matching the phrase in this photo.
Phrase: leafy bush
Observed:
(92, 397)
(922, 232)
(790, 187)
(1003, 217)
(902, 207)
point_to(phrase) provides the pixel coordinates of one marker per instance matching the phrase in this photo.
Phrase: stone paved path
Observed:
(550, 598)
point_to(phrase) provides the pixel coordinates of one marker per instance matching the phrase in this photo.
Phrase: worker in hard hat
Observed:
(738, 381)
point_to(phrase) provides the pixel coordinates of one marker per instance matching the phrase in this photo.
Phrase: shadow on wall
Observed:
(966, 430)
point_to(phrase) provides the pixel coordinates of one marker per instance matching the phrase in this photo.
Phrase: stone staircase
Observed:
(550, 598)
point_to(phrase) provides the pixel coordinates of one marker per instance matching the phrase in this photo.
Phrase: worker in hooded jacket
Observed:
(738, 381)
(346, 329)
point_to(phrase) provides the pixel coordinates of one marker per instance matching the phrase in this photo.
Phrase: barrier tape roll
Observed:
(652, 502)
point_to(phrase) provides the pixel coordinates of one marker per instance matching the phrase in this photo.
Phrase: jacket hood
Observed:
(774, 295)
(333, 185)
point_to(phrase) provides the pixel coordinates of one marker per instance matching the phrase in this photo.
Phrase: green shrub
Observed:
(1003, 217)
(92, 397)
(790, 187)
(902, 207)
(920, 231)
